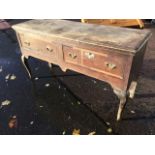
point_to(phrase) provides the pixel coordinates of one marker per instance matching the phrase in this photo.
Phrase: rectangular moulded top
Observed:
(123, 39)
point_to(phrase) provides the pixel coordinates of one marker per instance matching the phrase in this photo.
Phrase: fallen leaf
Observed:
(78, 102)
(132, 111)
(76, 132)
(92, 133)
(13, 123)
(36, 78)
(47, 85)
(64, 132)
(105, 89)
(5, 103)
(12, 77)
(7, 77)
(14, 116)
(109, 130)
(69, 117)
(107, 123)
(1, 69)
(31, 122)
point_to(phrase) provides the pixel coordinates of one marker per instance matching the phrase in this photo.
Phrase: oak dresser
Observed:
(111, 54)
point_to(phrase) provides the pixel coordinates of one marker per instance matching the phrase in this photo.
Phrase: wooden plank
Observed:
(116, 22)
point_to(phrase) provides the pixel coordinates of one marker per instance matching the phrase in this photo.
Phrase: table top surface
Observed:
(126, 39)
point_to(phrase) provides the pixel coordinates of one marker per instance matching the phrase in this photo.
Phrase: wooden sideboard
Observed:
(111, 54)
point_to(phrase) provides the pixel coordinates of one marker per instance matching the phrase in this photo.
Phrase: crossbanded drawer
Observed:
(103, 63)
(71, 55)
(42, 48)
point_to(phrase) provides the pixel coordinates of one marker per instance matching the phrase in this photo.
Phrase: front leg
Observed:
(132, 89)
(26, 65)
(50, 67)
(121, 107)
(122, 97)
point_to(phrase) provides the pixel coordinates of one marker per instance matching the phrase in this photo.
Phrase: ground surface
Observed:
(45, 106)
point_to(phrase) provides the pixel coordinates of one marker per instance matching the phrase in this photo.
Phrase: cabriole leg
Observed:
(122, 97)
(50, 66)
(121, 107)
(132, 89)
(26, 65)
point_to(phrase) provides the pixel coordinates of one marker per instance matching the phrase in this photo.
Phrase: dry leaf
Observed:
(78, 102)
(109, 130)
(5, 103)
(69, 117)
(1, 69)
(108, 123)
(92, 133)
(36, 78)
(31, 122)
(105, 89)
(13, 123)
(14, 116)
(76, 132)
(7, 77)
(12, 77)
(47, 85)
(132, 111)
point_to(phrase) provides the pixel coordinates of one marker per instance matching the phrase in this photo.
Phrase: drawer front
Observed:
(71, 55)
(39, 47)
(105, 63)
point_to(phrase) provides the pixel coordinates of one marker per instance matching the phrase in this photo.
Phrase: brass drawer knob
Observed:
(89, 55)
(72, 55)
(27, 43)
(49, 49)
(110, 65)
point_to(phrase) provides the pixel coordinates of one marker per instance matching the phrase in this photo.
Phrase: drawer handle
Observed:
(89, 55)
(111, 65)
(27, 43)
(49, 49)
(73, 56)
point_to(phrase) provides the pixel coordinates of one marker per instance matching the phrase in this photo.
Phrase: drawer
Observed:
(39, 47)
(104, 63)
(34, 43)
(71, 55)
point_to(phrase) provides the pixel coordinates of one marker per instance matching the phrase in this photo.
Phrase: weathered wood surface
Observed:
(116, 37)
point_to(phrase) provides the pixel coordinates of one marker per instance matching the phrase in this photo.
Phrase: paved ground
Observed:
(45, 106)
